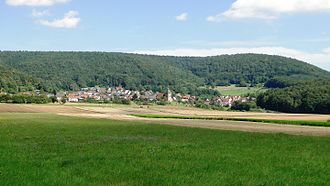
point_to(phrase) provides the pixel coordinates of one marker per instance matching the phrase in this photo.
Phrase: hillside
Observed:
(249, 68)
(73, 70)
(12, 80)
(307, 97)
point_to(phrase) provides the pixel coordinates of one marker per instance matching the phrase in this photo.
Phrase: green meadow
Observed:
(239, 91)
(46, 149)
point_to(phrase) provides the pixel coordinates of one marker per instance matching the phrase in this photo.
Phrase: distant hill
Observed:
(73, 70)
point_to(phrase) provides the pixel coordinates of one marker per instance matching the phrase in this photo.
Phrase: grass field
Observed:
(238, 91)
(291, 122)
(46, 149)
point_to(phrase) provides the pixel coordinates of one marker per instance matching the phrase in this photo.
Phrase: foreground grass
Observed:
(43, 149)
(291, 122)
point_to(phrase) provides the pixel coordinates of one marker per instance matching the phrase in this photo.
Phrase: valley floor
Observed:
(121, 112)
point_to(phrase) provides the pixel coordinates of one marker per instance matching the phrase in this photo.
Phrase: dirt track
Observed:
(122, 113)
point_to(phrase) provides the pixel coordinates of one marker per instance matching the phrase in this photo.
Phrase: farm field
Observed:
(238, 91)
(124, 113)
(43, 148)
(113, 109)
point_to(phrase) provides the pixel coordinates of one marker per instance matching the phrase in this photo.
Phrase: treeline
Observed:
(304, 97)
(24, 99)
(51, 71)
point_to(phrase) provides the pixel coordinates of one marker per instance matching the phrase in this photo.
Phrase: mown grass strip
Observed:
(291, 122)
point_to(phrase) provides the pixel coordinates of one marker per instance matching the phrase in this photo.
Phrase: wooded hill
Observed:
(311, 96)
(22, 71)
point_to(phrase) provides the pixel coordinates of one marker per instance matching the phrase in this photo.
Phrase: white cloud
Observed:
(326, 50)
(216, 18)
(270, 9)
(36, 13)
(229, 43)
(318, 40)
(70, 20)
(321, 59)
(35, 2)
(182, 17)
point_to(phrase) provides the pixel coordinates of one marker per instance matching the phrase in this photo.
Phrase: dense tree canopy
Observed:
(308, 97)
(21, 71)
(288, 81)
(12, 80)
(245, 68)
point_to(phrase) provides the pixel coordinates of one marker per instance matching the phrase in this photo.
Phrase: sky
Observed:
(293, 28)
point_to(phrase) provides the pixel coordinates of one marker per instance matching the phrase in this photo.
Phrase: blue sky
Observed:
(293, 28)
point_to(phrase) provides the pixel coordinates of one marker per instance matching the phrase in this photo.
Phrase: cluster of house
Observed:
(103, 94)
(228, 100)
(108, 94)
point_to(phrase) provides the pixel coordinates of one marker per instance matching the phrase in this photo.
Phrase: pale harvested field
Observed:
(122, 113)
(21, 108)
(256, 115)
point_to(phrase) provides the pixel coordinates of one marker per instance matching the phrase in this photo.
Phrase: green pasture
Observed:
(46, 149)
(239, 91)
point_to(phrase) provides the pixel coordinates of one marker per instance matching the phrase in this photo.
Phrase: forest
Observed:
(49, 71)
(309, 96)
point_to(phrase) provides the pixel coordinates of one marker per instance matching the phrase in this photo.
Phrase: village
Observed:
(98, 94)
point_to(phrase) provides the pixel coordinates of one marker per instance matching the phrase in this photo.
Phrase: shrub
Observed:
(246, 106)
(27, 99)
